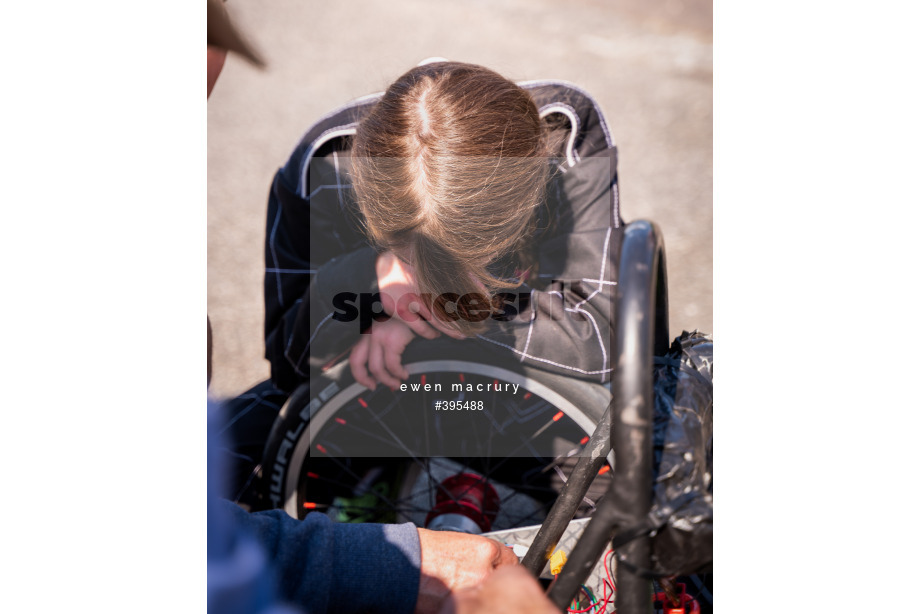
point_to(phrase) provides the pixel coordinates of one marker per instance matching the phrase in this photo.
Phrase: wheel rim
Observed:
(339, 400)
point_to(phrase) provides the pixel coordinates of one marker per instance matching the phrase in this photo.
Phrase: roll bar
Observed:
(640, 332)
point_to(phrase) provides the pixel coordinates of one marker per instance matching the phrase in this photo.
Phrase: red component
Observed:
(688, 605)
(604, 470)
(558, 416)
(469, 495)
(341, 420)
(423, 379)
(584, 440)
(362, 402)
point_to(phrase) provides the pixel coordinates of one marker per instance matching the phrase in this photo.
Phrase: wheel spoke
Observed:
(469, 447)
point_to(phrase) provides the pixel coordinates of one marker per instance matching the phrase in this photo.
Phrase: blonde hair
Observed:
(448, 169)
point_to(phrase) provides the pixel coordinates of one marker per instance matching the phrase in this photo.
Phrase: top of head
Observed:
(449, 167)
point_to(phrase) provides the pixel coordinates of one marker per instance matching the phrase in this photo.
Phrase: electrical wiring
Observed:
(608, 581)
(594, 602)
(613, 586)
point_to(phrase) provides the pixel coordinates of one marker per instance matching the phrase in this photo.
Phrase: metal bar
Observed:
(573, 492)
(591, 545)
(642, 287)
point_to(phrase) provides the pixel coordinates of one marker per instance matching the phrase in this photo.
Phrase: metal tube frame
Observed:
(640, 332)
(573, 492)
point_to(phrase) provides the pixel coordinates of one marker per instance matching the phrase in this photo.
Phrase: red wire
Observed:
(613, 587)
(607, 597)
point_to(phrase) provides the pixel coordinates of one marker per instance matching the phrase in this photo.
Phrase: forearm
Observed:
(327, 567)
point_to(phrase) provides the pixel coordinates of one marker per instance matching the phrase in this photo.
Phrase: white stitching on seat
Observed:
(533, 316)
(603, 268)
(271, 246)
(560, 365)
(250, 407)
(304, 353)
(600, 341)
(328, 186)
(599, 281)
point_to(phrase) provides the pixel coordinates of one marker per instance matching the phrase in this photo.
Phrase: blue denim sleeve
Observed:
(240, 576)
(257, 561)
(338, 568)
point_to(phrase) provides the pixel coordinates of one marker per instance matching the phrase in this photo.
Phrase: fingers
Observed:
(495, 554)
(358, 359)
(504, 556)
(384, 359)
(377, 357)
(510, 590)
(412, 307)
(376, 366)
(413, 312)
(457, 567)
(392, 360)
(389, 305)
(421, 328)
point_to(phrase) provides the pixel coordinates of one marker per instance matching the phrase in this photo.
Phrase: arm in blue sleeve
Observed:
(339, 568)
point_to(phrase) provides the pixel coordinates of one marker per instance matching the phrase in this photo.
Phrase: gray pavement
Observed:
(649, 65)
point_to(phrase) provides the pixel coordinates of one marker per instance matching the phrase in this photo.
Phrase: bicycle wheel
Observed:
(468, 443)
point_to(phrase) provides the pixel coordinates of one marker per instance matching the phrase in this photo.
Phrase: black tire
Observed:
(310, 409)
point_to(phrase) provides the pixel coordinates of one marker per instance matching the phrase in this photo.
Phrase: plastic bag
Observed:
(682, 504)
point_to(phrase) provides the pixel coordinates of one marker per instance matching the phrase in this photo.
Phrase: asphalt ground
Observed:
(648, 64)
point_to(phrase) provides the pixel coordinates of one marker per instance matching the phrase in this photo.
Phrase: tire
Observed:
(317, 413)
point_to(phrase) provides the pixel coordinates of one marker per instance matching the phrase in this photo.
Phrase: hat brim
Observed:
(223, 34)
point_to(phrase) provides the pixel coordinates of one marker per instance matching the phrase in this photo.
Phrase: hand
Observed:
(455, 561)
(510, 590)
(380, 352)
(400, 298)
